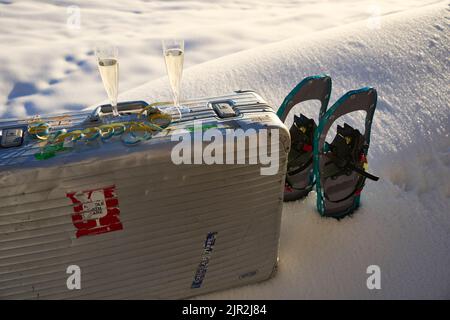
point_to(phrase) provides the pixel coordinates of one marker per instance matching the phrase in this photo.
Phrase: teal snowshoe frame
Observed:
(311, 88)
(364, 99)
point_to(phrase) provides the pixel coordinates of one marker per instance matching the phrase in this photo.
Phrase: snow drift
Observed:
(403, 225)
(47, 64)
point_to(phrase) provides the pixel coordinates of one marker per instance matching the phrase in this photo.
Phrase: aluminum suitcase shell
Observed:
(185, 230)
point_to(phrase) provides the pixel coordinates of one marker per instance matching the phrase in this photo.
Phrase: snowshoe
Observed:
(300, 177)
(340, 167)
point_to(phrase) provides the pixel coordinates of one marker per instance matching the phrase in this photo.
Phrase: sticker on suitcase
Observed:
(203, 266)
(95, 211)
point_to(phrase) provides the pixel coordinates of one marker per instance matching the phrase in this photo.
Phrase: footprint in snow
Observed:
(22, 89)
(69, 58)
(439, 27)
(54, 81)
(356, 44)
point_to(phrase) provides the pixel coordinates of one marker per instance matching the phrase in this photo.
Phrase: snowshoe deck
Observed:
(300, 178)
(340, 167)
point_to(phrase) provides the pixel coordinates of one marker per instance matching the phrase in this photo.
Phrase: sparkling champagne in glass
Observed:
(108, 65)
(173, 51)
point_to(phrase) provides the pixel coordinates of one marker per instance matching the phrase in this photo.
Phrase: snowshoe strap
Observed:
(302, 134)
(357, 189)
(302, 167)
(350, 166)
(344, 158)
(362, 172)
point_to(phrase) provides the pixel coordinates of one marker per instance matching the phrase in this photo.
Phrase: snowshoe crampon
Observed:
(340, 167)
(300, 176)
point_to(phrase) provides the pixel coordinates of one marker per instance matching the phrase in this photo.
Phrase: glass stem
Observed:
(176, 104)
(176, 99)
(115, 111)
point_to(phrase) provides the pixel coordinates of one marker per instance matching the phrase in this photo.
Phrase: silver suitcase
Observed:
(97, 219)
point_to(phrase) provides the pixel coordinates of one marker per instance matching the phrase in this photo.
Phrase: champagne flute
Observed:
(173, 51)
(108, 65)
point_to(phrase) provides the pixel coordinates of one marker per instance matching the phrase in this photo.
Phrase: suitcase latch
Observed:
(11, 137)
(224, 109)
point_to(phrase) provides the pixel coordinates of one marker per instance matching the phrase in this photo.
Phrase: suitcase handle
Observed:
(122, 107)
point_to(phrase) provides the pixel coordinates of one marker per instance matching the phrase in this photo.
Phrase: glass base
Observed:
(175, 112)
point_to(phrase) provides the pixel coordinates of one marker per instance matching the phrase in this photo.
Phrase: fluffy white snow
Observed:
(46, 61)
(403, 225)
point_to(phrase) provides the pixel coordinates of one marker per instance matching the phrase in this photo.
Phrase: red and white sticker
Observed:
(95, 211)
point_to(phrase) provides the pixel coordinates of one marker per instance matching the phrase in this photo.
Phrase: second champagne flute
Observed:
(173, 51)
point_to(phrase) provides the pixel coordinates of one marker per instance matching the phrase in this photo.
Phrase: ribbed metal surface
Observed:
(166, 212)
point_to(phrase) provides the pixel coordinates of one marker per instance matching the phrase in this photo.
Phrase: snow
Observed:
(403, 225)
(47, 62)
